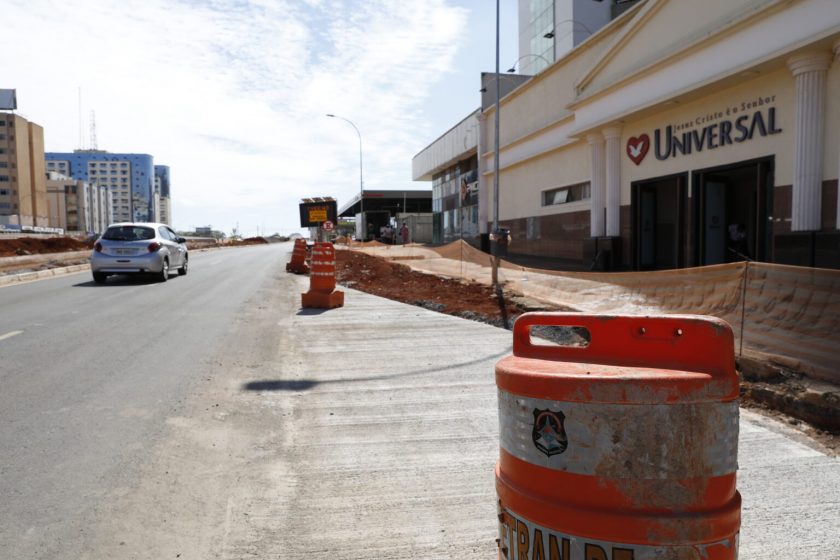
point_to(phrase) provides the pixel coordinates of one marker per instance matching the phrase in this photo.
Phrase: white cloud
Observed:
(232, 94)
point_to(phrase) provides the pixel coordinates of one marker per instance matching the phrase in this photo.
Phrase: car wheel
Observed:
(100, 277)
(163, 275)
(183, 270)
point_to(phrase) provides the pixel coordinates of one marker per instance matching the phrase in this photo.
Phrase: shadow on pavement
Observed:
(123, 280)
(280, 385)
(311, 311)
(306, 384)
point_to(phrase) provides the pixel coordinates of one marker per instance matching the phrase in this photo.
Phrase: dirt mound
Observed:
(246, 241)
(254, 241)
(398, 282)
(38, 246)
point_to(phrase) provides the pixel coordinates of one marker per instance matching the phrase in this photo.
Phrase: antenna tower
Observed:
(81, 139)
(93, 145)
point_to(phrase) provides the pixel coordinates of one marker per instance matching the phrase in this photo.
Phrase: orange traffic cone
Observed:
(322, 292)
(298, 262)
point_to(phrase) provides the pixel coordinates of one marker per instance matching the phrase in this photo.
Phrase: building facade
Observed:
(163, 205)
(23, 193)
(548, 29)
(77, 206)
(129, 177)
(680, 134)
(451, 163)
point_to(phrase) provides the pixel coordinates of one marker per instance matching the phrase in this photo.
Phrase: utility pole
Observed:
(494, 244)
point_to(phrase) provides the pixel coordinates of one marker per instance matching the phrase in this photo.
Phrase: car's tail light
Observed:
(98, 247)
(154, 246)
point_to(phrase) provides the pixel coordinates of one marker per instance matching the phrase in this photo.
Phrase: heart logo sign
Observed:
(637, 148)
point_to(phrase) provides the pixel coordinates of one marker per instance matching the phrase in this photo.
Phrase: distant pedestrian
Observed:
(738, 240)
(404, 234)
(388, 234)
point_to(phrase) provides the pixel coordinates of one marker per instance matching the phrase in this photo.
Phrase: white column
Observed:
(596, 185)
(809, 71)
(612, 135)
(484, 193)
(837, 56)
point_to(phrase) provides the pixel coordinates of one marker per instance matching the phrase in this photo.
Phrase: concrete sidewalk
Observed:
(393, 436)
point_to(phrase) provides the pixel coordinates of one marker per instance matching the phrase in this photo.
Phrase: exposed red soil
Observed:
(246, 241)
(37, 246)
(398, 282)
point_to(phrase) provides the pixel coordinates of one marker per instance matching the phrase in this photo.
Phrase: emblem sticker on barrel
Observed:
(548, 432)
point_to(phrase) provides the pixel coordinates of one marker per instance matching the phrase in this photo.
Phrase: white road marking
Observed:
(10, 334)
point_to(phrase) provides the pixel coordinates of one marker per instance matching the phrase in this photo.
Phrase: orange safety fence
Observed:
(784, 314)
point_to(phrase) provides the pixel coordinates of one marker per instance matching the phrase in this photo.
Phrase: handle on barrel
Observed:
(682, 342)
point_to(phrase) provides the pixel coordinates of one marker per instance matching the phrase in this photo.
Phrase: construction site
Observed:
(786, 319)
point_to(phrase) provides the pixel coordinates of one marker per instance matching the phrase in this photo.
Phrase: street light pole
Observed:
(495, 258)
(361, 179)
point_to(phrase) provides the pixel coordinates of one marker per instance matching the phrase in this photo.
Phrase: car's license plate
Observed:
(124, 251)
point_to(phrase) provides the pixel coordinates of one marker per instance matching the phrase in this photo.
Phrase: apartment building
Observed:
(23, 195)
(129, 177)
(77, 206)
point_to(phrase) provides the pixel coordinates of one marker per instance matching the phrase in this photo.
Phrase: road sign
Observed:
(313, 214)
(328, 226)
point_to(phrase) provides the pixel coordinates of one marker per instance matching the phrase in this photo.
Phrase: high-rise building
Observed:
(23, 192)
(163, 206)
(548, 29)
(129, 177)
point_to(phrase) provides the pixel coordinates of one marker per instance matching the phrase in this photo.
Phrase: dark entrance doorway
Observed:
(658, 222)
(733, 206)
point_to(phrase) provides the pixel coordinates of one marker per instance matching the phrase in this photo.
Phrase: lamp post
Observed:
(494, 274)
(513, 66)
(361, 180)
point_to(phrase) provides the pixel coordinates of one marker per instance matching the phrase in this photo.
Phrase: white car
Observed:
(138, 248)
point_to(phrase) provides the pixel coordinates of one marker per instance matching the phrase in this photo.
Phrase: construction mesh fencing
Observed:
(786, 315)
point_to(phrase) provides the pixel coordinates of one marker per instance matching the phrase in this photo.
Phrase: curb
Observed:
(813, 401)
(41, 274)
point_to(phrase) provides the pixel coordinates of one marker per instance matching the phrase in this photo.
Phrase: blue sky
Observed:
(232, 94)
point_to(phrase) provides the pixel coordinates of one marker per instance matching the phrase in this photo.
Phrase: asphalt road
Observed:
(89, 375)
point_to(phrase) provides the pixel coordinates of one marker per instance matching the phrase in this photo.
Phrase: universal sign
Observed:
(735, 125)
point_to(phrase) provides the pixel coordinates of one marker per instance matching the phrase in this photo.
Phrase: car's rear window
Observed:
(128, 233)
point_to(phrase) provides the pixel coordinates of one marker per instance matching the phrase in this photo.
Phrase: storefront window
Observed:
(563, 195)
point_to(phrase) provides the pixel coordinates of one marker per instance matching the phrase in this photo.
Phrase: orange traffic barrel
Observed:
(322, 292)
(298, 262)
(623, 447)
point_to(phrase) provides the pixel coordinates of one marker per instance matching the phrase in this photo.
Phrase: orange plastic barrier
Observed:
(623, 449)
(298, 262)
(322, 292)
